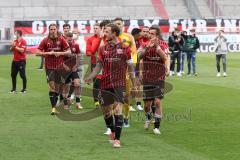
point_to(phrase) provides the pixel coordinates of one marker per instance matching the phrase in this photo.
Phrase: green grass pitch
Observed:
(202, 121)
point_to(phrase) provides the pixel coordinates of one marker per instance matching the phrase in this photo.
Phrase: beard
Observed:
(53, 36)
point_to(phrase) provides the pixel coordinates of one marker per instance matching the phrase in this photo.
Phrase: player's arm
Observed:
(95, 72)
(89, 47)
(131, 71)
(142, 52)
(21, 49)
(161, 53)
(64, 53)
(167, 62)
(98, 67)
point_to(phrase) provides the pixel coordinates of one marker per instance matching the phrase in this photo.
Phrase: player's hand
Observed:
(66, 68)
(13, 44)
(74, 69)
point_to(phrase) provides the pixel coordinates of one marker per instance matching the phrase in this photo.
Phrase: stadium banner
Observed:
(206, 29)
(86, 26)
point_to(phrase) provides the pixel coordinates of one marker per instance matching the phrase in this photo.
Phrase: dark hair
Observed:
(118, 19)
(97, 24)
(53, 24)
(157, 29)
(104, 23)
(114, 28)
(66, 25)
(19, 32)
(192, 30)
(69, 34)
(136, 31)
(146, 27)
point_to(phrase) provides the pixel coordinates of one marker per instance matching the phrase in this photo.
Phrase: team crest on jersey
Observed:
(74, 49)
(119, 51)
(58, 43)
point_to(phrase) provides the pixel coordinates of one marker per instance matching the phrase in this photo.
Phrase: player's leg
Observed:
(157, 116)
(189, 56)
(22, 71)
(126, 105)
(224, 61)
(194, 63)
(172, 64)
(147, 109)
(218, 57)
(158, 96)
(118, 117)
(77, 89)
(51, 74)
(178, 63)
(14, 72)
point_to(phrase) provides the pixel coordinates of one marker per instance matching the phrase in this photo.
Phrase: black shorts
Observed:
(53, 75)
(109, 96)
(71, 76)
(152, 91)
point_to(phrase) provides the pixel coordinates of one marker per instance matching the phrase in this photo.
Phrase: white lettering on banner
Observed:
(149, 24)
(37, 27)
(91, 25)
(82, 26)
(190, 24)
(230, 26)
(172, 24)
(133, 24)
(201, 25)
(218, 24)
(210, 48)
(184, 25)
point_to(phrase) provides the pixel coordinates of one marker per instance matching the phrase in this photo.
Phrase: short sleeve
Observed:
(65, 45)
(100, 56)
(78, 51)
(24, 45)
(42, 45)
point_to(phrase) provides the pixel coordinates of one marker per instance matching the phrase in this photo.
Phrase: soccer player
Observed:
(92, 47)
(137, 35)
(19, 46)
(144, 36)
(66, 30)
(128, 40)
(70, 65)
(114, 60)
(53, 48)
(154, 60)
(93, 44)
(221, 52)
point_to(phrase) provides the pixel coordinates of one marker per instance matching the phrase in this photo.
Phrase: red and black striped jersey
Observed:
(114, 59)
(153, 66)
(71, 61)
(57, 45)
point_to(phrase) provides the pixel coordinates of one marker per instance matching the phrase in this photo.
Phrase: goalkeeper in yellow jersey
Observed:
(128, 40)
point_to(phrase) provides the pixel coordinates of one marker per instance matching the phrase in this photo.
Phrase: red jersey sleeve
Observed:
(65, 45)
(95, 45)
(42, 45)
(89, 47)
(78, 51)
(23, 45)
(100, 56)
